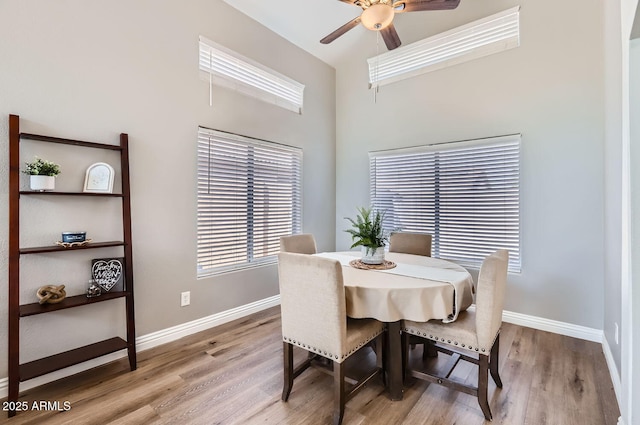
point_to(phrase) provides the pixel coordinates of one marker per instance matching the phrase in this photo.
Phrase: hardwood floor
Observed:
(232, 374)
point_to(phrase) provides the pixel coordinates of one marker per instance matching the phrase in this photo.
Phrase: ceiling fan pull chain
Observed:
(375, 74)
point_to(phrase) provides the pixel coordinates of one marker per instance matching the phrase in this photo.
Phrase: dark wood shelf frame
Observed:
(69, 358)
(50, 139)
(69, 302)
(22, 372)
(34, 192)
(58, 248)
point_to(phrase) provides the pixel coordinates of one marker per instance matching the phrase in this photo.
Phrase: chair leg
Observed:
(429, 350)
(483, 381)
(339, 393)
(406, 345)
(379, 350)
(493, 362)
(288, 370)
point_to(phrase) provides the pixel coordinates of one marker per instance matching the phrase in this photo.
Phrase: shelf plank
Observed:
(69, 302)
(57, 248)
(69, 358)
(33, 192)
(51, 139)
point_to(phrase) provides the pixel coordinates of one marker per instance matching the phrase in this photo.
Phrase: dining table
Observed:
(406, 286)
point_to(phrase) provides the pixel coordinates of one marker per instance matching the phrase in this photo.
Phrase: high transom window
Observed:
(249, 194)
(486, 36)
(465, 194)
(226, 68)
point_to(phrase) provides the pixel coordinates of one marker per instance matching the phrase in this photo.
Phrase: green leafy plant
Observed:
(367, 229)
(41, 167)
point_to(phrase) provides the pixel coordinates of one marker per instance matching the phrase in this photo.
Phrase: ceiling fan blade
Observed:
(390, 37)
(418, 5)
(337, 33)
(349, 1)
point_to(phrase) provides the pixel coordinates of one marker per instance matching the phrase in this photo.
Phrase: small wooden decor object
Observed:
(51, 294)
(358, 264)
(73, 244)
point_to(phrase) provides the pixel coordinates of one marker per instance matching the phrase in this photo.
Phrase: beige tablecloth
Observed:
(419, 288)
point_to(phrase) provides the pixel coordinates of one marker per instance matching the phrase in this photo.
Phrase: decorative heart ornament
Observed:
(106, 273)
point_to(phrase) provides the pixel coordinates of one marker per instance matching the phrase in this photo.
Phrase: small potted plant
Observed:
(368, 233)
(42, 174)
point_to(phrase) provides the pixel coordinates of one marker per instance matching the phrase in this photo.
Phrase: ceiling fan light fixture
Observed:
(377, 16)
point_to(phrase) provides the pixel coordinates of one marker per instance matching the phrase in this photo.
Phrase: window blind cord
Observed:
(210, 79)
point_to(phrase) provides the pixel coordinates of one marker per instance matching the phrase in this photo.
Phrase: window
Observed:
(249, 194)
(465, 194)
(480, 38)
(226, 68)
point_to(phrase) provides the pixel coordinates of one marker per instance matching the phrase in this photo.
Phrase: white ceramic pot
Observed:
(42, 183)
(372, 256)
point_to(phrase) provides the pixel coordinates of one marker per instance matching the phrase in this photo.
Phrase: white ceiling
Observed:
(304, 25)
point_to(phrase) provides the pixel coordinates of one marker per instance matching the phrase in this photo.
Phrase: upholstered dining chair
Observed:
(416, 244)
(303, 243)
(310, 288)
(476, 331)
(410, 243)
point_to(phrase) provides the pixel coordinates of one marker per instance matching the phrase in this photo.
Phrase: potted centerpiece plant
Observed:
(368, 233)
(42, 174)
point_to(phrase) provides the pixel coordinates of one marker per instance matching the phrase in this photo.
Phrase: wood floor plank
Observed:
(232, 374)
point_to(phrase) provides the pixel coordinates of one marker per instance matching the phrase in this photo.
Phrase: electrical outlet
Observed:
(185, 298)
(617, 334)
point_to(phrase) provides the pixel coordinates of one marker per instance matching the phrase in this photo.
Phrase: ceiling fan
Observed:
(377, 15)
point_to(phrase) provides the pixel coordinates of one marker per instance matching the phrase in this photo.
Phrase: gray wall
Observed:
(613, 178)
(550, 89)
(90, 70)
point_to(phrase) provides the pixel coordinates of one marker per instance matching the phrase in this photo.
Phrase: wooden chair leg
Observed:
(404, 339)
(483, 381)
(429, 350)
(493, 362)
(380, 358)
(288, 370)
(339, 393)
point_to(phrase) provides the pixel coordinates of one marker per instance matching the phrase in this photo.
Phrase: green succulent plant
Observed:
(367, 229)
(41, 167)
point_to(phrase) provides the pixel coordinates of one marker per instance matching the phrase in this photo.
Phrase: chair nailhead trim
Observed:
(343, 356)
(448, 341)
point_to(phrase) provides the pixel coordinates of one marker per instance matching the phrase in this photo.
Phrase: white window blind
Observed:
(249, 194)
(480, 38)
(465, 194)
(224, 67)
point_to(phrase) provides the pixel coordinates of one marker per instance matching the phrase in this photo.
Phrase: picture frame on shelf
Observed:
(99, 178)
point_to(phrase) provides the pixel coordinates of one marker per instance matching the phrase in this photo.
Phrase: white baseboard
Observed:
(553, 326)
(151, 340)
(176, 332)
(613, 371)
